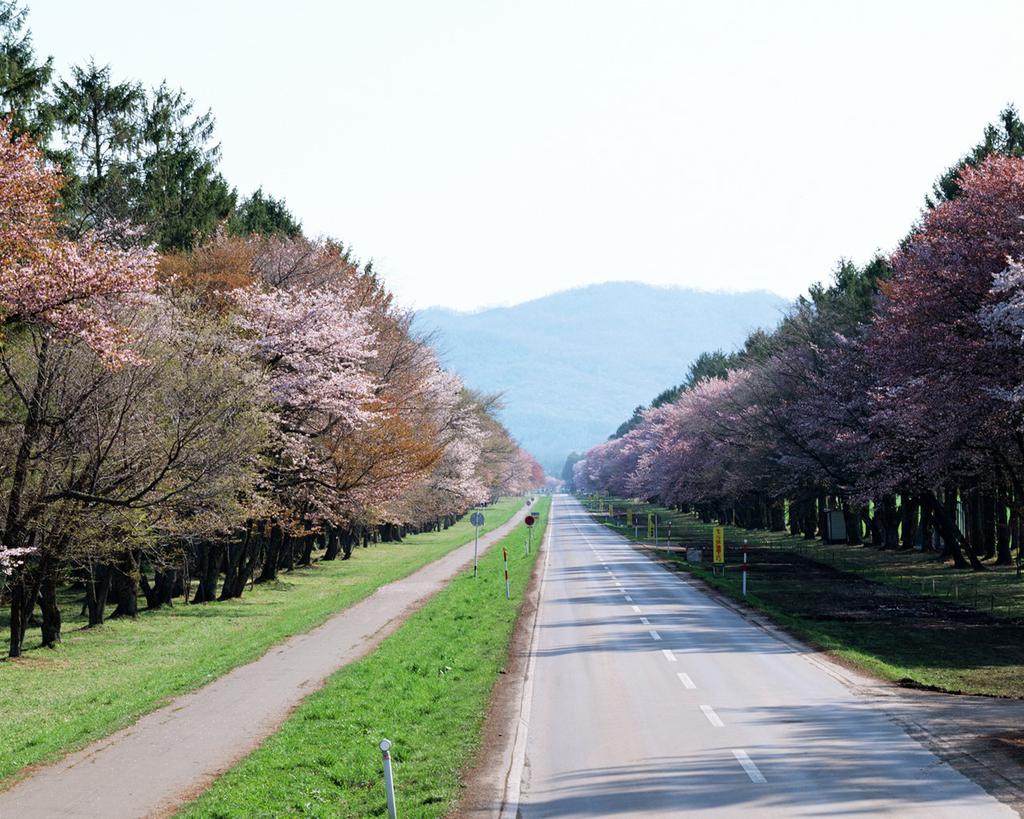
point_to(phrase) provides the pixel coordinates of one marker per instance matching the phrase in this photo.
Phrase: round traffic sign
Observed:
(477, 518)
(530, 520)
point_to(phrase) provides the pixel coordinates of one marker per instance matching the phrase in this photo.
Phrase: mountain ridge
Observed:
(571, 366)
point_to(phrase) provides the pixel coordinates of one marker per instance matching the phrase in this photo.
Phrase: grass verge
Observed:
(904, 617)
(99, 680)
(426, 688)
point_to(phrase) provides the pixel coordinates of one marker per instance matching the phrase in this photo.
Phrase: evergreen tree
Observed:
(99, 121)
(264, 215)
(23, 81)
(181, 197)
(1006, 137)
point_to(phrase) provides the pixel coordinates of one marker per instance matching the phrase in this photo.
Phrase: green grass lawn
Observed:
(904, 616)
(101, 679)
(426, 688)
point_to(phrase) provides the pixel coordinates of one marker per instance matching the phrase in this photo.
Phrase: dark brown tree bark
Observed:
(208, 565)
(51, 622)
(271, 555)
(97, 588)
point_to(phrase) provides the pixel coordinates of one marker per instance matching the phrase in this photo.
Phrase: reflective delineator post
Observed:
(389, 782)
(744, 568)
(504, 551)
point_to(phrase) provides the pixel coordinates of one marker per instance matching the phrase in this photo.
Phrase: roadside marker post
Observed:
(505, 554)
(389, 782)
(744, 568)
(477, 519)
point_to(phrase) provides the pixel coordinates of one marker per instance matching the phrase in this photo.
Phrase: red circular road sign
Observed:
(530, 520)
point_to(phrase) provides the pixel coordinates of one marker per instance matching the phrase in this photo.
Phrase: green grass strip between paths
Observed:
(102, 679)
(426, 688)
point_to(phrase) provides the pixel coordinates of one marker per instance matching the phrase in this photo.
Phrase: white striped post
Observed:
(389, 782)
(744, 567)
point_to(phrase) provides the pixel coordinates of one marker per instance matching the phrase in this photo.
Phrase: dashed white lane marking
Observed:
(617, 582)
(686, 681)
(748, 765)
(636, 609)
(645, 621)
(630, 599)
(654, 635)
(610, 572)
(669, 655)
(713, 718)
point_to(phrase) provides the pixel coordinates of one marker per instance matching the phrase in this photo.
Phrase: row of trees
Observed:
(194, 398)
(894, 394)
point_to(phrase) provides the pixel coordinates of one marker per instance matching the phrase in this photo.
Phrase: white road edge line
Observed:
(713, 718)
(669, 655)
(748, 765)
(654, 635)
(514, 777)
(686, 681)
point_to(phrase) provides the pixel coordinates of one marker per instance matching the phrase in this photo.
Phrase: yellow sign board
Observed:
(718, 545)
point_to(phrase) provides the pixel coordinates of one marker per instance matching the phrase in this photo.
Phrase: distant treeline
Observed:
(894, 394)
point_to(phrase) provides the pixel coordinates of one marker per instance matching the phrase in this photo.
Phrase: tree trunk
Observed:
(51, 625)
(125, 586)
(956, 543)
(97, 587)
(211, 556)
(333, 546)
(308, 542)
(1003, 556)
(23, 596)
(272, 555)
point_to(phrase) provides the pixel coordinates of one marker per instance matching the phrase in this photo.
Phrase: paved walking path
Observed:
(174, 753)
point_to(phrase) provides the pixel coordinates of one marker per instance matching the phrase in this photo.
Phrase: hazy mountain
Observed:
(573, 365)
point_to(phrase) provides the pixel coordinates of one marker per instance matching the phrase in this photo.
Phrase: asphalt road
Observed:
(645, 697)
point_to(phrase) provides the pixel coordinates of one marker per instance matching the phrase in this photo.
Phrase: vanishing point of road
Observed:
(646, 697)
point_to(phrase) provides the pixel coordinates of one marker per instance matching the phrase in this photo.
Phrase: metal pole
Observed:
(744, 568)
(529, 538)
(389, 782)
(505, 553)
(655, 533)
(476, 541)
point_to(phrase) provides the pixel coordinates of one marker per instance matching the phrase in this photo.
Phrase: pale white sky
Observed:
(486, 153)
